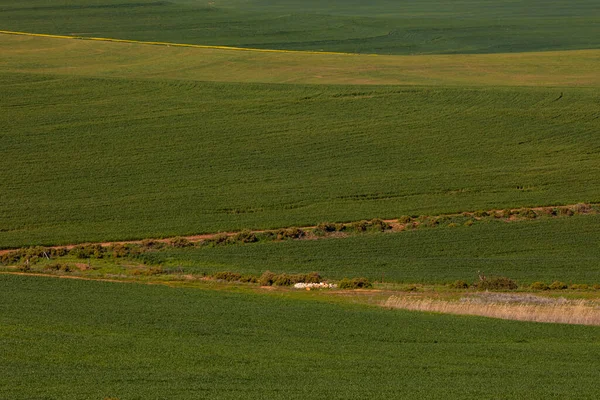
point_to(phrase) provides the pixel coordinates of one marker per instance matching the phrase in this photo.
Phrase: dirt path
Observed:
(395, 225)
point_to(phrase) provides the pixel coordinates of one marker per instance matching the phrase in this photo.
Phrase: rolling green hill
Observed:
(88, 159)
(70, 339)
(380, 26)
(543, 250)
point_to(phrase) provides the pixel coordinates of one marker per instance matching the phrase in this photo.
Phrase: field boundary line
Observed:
(169, 44)
(395, 225)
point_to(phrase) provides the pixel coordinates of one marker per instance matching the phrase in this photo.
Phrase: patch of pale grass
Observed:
(521, 307)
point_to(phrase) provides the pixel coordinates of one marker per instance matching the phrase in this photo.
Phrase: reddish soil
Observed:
(394, 223)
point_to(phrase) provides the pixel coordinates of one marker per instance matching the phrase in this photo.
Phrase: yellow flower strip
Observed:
(198, 46)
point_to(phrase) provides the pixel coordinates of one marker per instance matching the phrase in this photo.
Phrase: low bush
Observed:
(566, 212)
(495, 283)
(326, 227)
(283, 280)
(480, 214)
(432, 222)
(266, 279)
(404, 219)
(148, 244)
(360, 226)
(354, 283)
(556, 285)
(529, 214)
(244, 236)
(218, 239)
(24, 267)
(539, 286)
(57, 267)
(469, 222)
(84, 251)
(290, 233)
(148, 271)
(379, 224)
(227, 276)
(179, 242)
(119, 250)
(581, 208)
(459, 285)
(248, 279)
(579, 286)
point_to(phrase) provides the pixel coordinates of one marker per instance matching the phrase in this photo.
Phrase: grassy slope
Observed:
(544, 250)
(101, 59)
(135, 341)
(92, 159)
(380, 26)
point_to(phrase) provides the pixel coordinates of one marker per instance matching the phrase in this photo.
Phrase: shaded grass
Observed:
(127, 340)
(544, 250)
(381, 26)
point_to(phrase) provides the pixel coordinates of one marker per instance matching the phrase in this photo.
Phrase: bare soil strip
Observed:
(394, 224)
(520, 307)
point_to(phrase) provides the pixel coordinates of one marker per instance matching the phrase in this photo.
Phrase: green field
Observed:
(75, 339)
(414, 108)
(86, 157)
(544, 250)
(378, 26)
(42, 55)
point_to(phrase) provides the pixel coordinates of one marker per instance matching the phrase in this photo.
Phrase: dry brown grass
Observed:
(521, 307)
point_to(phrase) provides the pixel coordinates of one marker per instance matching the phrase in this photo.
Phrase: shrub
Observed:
(529, 214)
(452, 225)
(580, 286)
(227, 276)
(354, 283)
(283, 280)
(495, 283)
(566, 211)
(266, 279)
(57, 252)
(539, 286)
(507, 213)
(480, 214)
(152, 244)
(581, 208)
(326, 227)
(556, 285)
(404, 219)
(248, 279)
(311, 277)
(245, 236)
(88, 251)
(290, 233)
(340, 227)
(179, 242)
(52, 267)
(379, 224)
(459, 285)
(469, 222)
(360, 226)
(596, 286)
(24, 267)
(148, 271)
